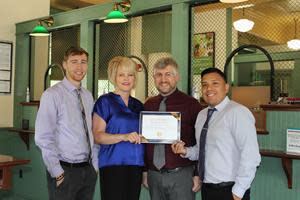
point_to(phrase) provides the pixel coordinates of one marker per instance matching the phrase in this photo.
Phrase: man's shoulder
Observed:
(185, 96)
(55, 89)
(152, 99)
(236, 107)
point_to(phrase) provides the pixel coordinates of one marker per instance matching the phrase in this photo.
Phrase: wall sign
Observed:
(5, 67)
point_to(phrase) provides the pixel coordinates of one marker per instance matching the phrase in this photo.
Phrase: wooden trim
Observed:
(281, 107)
(31, 103)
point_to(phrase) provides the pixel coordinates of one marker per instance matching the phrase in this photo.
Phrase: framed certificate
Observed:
(293, 141)
(160, 127)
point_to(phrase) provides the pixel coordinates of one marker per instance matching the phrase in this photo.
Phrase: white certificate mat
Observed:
(160, 127)
(293, 141)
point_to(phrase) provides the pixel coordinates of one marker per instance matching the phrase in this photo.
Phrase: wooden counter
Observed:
(5, 172)
(281, 107)
(286, 161)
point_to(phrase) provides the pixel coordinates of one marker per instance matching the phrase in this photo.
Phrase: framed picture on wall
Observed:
(203, 51)
(5, 67)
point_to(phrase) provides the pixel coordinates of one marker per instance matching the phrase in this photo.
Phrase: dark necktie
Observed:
(86, 130)
(159, 159)
(201, 162)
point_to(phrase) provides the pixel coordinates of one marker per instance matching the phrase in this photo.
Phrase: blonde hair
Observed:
(123, 63)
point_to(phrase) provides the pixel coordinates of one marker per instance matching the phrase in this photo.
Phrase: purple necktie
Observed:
(201, 161)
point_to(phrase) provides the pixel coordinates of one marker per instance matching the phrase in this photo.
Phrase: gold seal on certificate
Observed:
(160, 127)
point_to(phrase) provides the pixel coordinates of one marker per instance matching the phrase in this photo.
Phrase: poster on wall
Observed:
(5, 67)
(203, 51)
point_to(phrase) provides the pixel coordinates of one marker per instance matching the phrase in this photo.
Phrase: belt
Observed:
(82, 164)
(218, 185)
(164, 170)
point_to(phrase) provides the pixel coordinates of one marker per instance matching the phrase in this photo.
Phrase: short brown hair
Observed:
(73, 51)
(164, 62)
(123, 63)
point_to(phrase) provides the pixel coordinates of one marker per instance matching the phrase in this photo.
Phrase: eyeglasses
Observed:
(166, 75)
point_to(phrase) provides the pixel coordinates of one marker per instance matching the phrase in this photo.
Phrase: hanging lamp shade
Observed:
(243, 25)
(39, 30)
(294, 43)
(115, 16)
(232, 1)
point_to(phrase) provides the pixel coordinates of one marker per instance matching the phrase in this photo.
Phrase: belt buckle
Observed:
(163, 170)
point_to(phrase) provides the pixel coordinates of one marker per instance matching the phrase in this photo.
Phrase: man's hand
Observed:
(179, 148)
(60, 179)
(196, 184)
(145, 180)
(235, 197)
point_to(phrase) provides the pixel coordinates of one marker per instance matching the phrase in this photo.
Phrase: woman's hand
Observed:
(132, 137)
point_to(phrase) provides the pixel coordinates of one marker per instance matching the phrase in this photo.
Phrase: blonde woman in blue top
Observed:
(115, 127)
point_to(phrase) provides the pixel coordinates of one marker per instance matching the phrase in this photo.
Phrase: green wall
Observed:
(270, 181)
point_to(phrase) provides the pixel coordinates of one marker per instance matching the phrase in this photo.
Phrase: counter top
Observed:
(281, 107)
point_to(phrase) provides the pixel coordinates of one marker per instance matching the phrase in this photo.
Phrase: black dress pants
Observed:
(79, 184)
(120, 182)
(210, 192)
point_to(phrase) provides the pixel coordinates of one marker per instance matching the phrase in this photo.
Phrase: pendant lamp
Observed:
(116, 16)
(243, 25)
(40, 30)
(294, 43)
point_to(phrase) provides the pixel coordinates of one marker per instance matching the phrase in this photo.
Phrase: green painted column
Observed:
(86, 42)
(21, 75)
(180, 41)
(229, 41)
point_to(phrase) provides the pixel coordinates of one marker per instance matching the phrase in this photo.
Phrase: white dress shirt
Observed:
(231, 150)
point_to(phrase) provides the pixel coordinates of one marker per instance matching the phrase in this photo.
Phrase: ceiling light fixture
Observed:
(294, 43)
(243, 6)
(243, 25)
(232, 1)
(40, 30)
(116, 16)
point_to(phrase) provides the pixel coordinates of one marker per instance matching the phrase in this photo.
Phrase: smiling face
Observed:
(214, 88)
(76, 67)
(165, 80)
(125, 80)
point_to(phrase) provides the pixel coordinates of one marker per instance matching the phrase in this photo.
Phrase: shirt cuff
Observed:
(238, 191)
(56, 171)
(188, 153)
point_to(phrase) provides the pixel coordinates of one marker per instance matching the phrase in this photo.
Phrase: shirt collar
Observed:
(70, 87)
(174, 93)
(222, 105)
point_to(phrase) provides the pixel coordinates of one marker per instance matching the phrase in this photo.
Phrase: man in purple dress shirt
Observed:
(63, 133)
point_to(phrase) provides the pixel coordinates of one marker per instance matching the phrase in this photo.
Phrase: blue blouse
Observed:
(119, 119)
